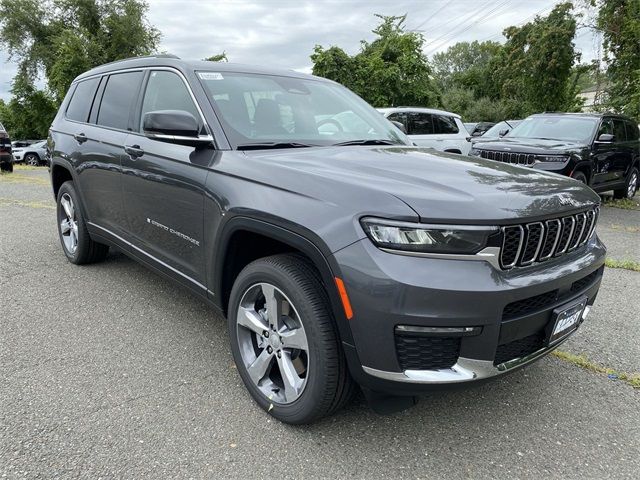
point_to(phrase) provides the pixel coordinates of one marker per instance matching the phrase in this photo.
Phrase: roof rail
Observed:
(159, 55)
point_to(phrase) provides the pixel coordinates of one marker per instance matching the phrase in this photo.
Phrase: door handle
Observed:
(80, 137)
(134, 151)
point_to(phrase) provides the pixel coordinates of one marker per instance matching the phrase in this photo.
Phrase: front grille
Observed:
(529, 305)
(426, 353)
(519, 348)
(514, 158)
(538, 241)
(584, 282)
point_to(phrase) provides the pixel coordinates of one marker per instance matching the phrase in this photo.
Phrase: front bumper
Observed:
(388, 290)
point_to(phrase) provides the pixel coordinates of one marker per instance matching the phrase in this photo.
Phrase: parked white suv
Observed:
(428, 127)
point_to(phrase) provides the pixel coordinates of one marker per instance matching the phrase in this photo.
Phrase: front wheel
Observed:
(32, 160)
(579, 176)
(631, 186)
(284, 340)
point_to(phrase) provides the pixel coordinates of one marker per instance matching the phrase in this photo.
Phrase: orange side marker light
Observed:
(346, 304)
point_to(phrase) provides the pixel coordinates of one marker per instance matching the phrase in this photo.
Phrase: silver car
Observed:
(34, 154)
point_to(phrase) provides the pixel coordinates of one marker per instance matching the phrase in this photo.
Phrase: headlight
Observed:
(416, 237)
(474, 152)
(551, 158)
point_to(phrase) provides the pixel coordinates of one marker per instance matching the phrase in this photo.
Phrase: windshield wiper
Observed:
(270, 145)
(365, 142)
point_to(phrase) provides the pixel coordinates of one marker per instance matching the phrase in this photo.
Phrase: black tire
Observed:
(87, 250)
(628, 191)
(579, 176)
(6, 167)
(32, 159)
(328, 383)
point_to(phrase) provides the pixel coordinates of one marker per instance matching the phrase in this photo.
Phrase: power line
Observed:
(428, 19)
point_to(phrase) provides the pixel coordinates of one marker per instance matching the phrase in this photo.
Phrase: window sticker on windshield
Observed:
(210, 76)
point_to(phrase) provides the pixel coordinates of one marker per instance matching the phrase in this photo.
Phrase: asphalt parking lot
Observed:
(110, 371)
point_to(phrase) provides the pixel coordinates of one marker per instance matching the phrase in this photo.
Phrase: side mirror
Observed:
(175, 126)
(605, 138)
(477, 133)
(400, 126)
(502, 133)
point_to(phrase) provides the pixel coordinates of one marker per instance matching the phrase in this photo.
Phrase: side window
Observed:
(118, 99)
(619, 130)
(606, 127)
(166, 91)
(444, 124)
(81, 100)
(420, 124)
(633, 132)
(399, 117)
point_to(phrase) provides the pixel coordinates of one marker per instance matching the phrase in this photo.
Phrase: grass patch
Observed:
(625, 264)
(625, 228)
(26, 168)
(624, 203)
(18, 178)
(5, 202)
(632, 379)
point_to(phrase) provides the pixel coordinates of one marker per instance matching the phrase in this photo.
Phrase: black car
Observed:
(6, 160)
(339, 256)
(601, 150)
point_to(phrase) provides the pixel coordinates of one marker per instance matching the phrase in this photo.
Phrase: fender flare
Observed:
(323, 262)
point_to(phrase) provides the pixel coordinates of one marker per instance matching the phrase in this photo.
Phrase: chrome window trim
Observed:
(511, 265)
(555, 242)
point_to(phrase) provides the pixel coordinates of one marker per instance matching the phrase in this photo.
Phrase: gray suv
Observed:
(340, 254)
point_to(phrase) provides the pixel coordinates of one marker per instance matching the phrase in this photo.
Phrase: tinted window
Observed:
(444, 124)
(560, 127)
(633, 131)
(81, 100)
(167, 91)
(420, 123)
(619, 130)
(118, 98)
(399, 117)
(606, 127)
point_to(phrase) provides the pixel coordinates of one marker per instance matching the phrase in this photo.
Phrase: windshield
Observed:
(561, 127)
(286, 111)
(494, 132)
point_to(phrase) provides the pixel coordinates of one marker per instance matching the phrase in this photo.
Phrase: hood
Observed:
(437, 186)
(529, 145)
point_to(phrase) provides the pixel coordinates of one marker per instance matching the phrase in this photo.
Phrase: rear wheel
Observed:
(74, 237)
(631, 186)
(284, 341)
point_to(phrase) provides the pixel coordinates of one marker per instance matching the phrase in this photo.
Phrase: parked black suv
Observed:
(601, 150)
(336, 250)
(6, 160)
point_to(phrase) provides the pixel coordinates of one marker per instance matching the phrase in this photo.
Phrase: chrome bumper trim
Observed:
(465, 369)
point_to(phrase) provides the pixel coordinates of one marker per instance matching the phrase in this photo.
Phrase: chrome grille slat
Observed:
(526, 244)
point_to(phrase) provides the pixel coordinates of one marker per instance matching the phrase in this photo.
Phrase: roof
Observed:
(173, 61)
(581, 114)
(416, 109)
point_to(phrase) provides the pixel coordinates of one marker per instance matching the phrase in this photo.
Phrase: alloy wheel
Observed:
(272, 343)
(31, 160)
(633, 184)
(69, 224)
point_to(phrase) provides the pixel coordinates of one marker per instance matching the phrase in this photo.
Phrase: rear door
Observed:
(623, 151)
(163, 185)
(100, 143)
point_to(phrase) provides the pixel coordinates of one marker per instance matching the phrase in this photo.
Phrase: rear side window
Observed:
(166, 91)
(619, 130)
(118, 99)
(633, 131)
(443, 124)
(82, 99)
(420, 123)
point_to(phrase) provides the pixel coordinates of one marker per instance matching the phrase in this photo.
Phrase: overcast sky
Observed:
(283, 32)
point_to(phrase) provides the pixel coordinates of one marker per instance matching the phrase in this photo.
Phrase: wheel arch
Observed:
(585, 168)
(240, 231)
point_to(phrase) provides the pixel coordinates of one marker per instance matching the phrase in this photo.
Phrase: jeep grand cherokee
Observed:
(339, 253)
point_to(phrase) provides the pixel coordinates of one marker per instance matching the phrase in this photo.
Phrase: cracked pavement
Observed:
(110, 371)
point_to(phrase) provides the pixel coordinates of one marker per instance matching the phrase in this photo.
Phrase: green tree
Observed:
(390, 70)
(619, 21)
(535, 66)
(467, 65)
(220, 57)
(63, 38)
